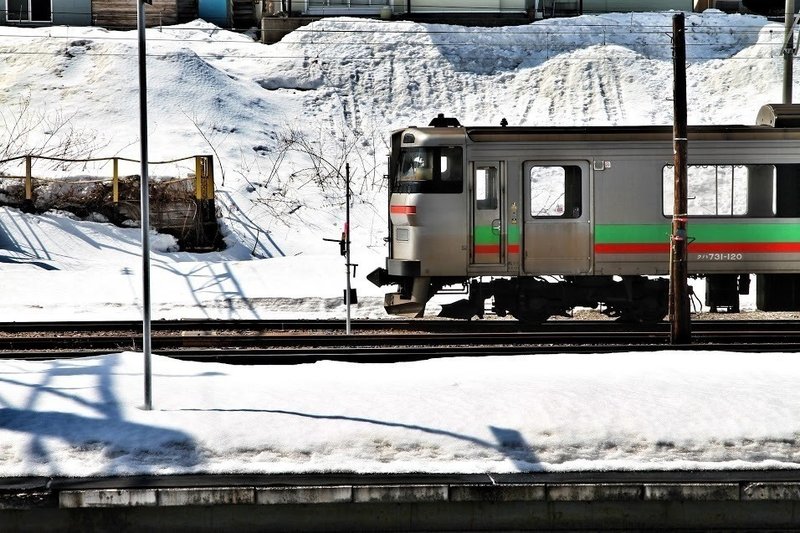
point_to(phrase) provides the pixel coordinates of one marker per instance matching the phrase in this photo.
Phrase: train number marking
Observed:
(728, 256)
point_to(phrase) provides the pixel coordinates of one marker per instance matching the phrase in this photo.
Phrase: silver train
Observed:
(540, 220)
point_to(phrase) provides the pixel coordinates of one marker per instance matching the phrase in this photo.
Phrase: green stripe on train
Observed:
(733, 232)
(485, 235)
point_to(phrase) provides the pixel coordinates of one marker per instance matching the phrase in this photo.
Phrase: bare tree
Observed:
(301, 160)
(26, 131)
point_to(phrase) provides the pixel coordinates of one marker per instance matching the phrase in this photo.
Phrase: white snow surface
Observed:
(344, 84)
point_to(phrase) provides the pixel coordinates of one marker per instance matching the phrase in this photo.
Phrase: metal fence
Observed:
(181, 198)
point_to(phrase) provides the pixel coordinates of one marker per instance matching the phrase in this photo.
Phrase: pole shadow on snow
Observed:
(219, 281)
(106, 443)
(508, 442)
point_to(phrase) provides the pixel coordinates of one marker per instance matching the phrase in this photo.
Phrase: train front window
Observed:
(430, 170)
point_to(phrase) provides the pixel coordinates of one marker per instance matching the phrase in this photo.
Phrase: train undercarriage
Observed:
(628, 298)
(535, 299)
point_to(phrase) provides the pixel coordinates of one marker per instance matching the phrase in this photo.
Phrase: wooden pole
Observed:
(28, 178)
(788, 52)
(679, 316)
(115, 182)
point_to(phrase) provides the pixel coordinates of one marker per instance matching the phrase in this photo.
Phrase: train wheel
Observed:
(530, 319)
(646, 312)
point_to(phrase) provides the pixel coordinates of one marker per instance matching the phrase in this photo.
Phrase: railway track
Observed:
(273, 342)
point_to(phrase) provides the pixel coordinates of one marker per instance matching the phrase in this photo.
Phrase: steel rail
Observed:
(442, 325)
(274, 342)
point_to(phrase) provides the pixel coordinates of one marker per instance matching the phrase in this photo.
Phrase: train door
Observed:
(557, 235)
(486, 198)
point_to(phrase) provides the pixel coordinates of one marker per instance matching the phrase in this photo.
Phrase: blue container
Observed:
(215, 11)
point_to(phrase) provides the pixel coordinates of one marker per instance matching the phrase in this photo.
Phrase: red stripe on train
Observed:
(494, 248)
(403, 209)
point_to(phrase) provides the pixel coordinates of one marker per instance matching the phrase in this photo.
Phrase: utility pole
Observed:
(680, 330)
(144, 209)
(788, 52)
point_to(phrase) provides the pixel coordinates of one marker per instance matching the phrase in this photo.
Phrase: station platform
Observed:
(740, 500)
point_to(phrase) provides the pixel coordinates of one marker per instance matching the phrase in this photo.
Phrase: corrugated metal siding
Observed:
(466, 6)
(334, 7)
(605, 6)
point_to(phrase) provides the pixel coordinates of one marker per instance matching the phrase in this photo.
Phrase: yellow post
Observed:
(115, 183)
(28, 178)
(198, 177)
(204, 177)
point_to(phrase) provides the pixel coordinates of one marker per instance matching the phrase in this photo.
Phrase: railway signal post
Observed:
(344, 249)
(346, 239)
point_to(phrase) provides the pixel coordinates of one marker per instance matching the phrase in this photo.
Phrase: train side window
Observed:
(486, 188)
(451, 166)
(555, 191)
(722, 190)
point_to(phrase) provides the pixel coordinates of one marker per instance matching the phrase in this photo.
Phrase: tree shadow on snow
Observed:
(106, 443)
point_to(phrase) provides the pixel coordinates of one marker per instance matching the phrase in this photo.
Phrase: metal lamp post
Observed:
(145, 210)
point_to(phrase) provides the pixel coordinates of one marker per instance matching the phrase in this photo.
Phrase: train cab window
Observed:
(430, 170)
(723, 190)
(555, 191)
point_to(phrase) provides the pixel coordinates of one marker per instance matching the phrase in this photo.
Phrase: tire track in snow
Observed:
(609, 89)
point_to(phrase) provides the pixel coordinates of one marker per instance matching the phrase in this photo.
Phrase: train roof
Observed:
(774, 122)
(507, 134)
(624, 133)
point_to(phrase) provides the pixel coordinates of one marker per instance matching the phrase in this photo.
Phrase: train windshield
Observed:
(430, 170)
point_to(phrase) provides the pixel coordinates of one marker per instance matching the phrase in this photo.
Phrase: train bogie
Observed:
(542, 220)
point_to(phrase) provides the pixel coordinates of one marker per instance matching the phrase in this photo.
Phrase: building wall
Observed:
(121, 14)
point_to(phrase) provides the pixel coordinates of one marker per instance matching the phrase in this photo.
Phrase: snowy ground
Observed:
(635, 411)
(342, 85)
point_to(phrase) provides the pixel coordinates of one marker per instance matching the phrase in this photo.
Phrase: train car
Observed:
(539, 220)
